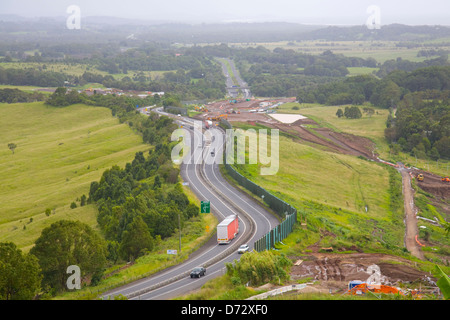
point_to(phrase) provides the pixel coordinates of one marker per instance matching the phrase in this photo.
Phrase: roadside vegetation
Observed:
(123, 217)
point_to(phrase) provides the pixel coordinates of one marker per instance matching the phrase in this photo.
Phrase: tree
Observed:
(370, 112)
(20, 274)
(136, 239)
(339, 113)
(434, 153)
(443, 147)
(66, 243)
(83, 200)
(387, 94)
(260, 267)
(352, 113)
(12, 147)
(157, 182)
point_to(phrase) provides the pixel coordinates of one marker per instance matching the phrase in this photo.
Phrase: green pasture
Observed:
(60, 151)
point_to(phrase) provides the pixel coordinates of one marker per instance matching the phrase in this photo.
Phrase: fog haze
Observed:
(348, 12)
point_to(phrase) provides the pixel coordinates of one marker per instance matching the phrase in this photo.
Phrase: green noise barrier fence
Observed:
(282, 208)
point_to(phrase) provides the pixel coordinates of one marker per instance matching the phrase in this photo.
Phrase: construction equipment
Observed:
(445, 179)
(359, 288)
(200, 109)
(218, 118)
(420, 177)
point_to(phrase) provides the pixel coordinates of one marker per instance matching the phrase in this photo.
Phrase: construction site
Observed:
(355, 273)
(263, 112)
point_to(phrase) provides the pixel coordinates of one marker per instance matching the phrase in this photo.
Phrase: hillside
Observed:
(60, 151)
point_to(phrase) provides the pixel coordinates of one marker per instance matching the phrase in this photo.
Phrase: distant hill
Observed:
(393, 32)
(95, 28)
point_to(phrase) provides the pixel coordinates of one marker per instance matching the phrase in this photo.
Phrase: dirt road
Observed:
(410, 216)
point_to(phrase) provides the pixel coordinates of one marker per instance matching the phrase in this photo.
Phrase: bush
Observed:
(258, 268)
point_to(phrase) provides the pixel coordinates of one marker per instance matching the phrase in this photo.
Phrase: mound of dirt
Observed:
(336, 142)
(342, 268)
(305, 129)
(433, 184)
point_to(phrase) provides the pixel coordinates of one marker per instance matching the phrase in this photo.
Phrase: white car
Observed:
(243, 249)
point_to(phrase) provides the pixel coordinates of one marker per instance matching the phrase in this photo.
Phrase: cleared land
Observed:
(60, 151)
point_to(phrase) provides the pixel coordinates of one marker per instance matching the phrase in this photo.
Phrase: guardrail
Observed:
(282, 208)
(231, 248)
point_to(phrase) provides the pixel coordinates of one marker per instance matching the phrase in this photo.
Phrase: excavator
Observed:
(445, 179)
(420, 177)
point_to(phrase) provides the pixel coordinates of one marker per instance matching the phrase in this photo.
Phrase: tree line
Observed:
(15, 96)
(384, 93)
(139, 206)
(421, 125)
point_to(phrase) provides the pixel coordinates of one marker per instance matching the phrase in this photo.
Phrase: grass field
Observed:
(345, 195)
(60, 151)
(381, 51)
(371, 127)
(341, 181)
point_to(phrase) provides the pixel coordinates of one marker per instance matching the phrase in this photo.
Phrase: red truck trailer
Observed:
(227, 229)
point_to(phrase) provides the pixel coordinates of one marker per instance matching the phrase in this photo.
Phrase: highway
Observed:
(206, 181)
(233, 90)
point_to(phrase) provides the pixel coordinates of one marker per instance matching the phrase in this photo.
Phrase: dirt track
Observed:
(411, 243)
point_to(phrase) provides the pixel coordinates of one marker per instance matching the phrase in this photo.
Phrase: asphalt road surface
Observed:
(206, 181)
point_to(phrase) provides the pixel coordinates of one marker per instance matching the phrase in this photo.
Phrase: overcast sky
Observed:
(350, 12)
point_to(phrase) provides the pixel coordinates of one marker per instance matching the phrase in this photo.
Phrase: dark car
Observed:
(198, 272)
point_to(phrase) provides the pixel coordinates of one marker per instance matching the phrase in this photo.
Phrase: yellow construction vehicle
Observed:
(420, 177)
(218, 118)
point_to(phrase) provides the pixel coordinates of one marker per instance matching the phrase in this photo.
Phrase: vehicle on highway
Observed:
(227, 229)
(243, 249)
(198, 272)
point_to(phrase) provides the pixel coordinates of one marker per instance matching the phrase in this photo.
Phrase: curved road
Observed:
(207, 183)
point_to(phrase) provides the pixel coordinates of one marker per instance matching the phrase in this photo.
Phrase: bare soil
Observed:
(433, 184)
(305, 130)
(334, 271)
